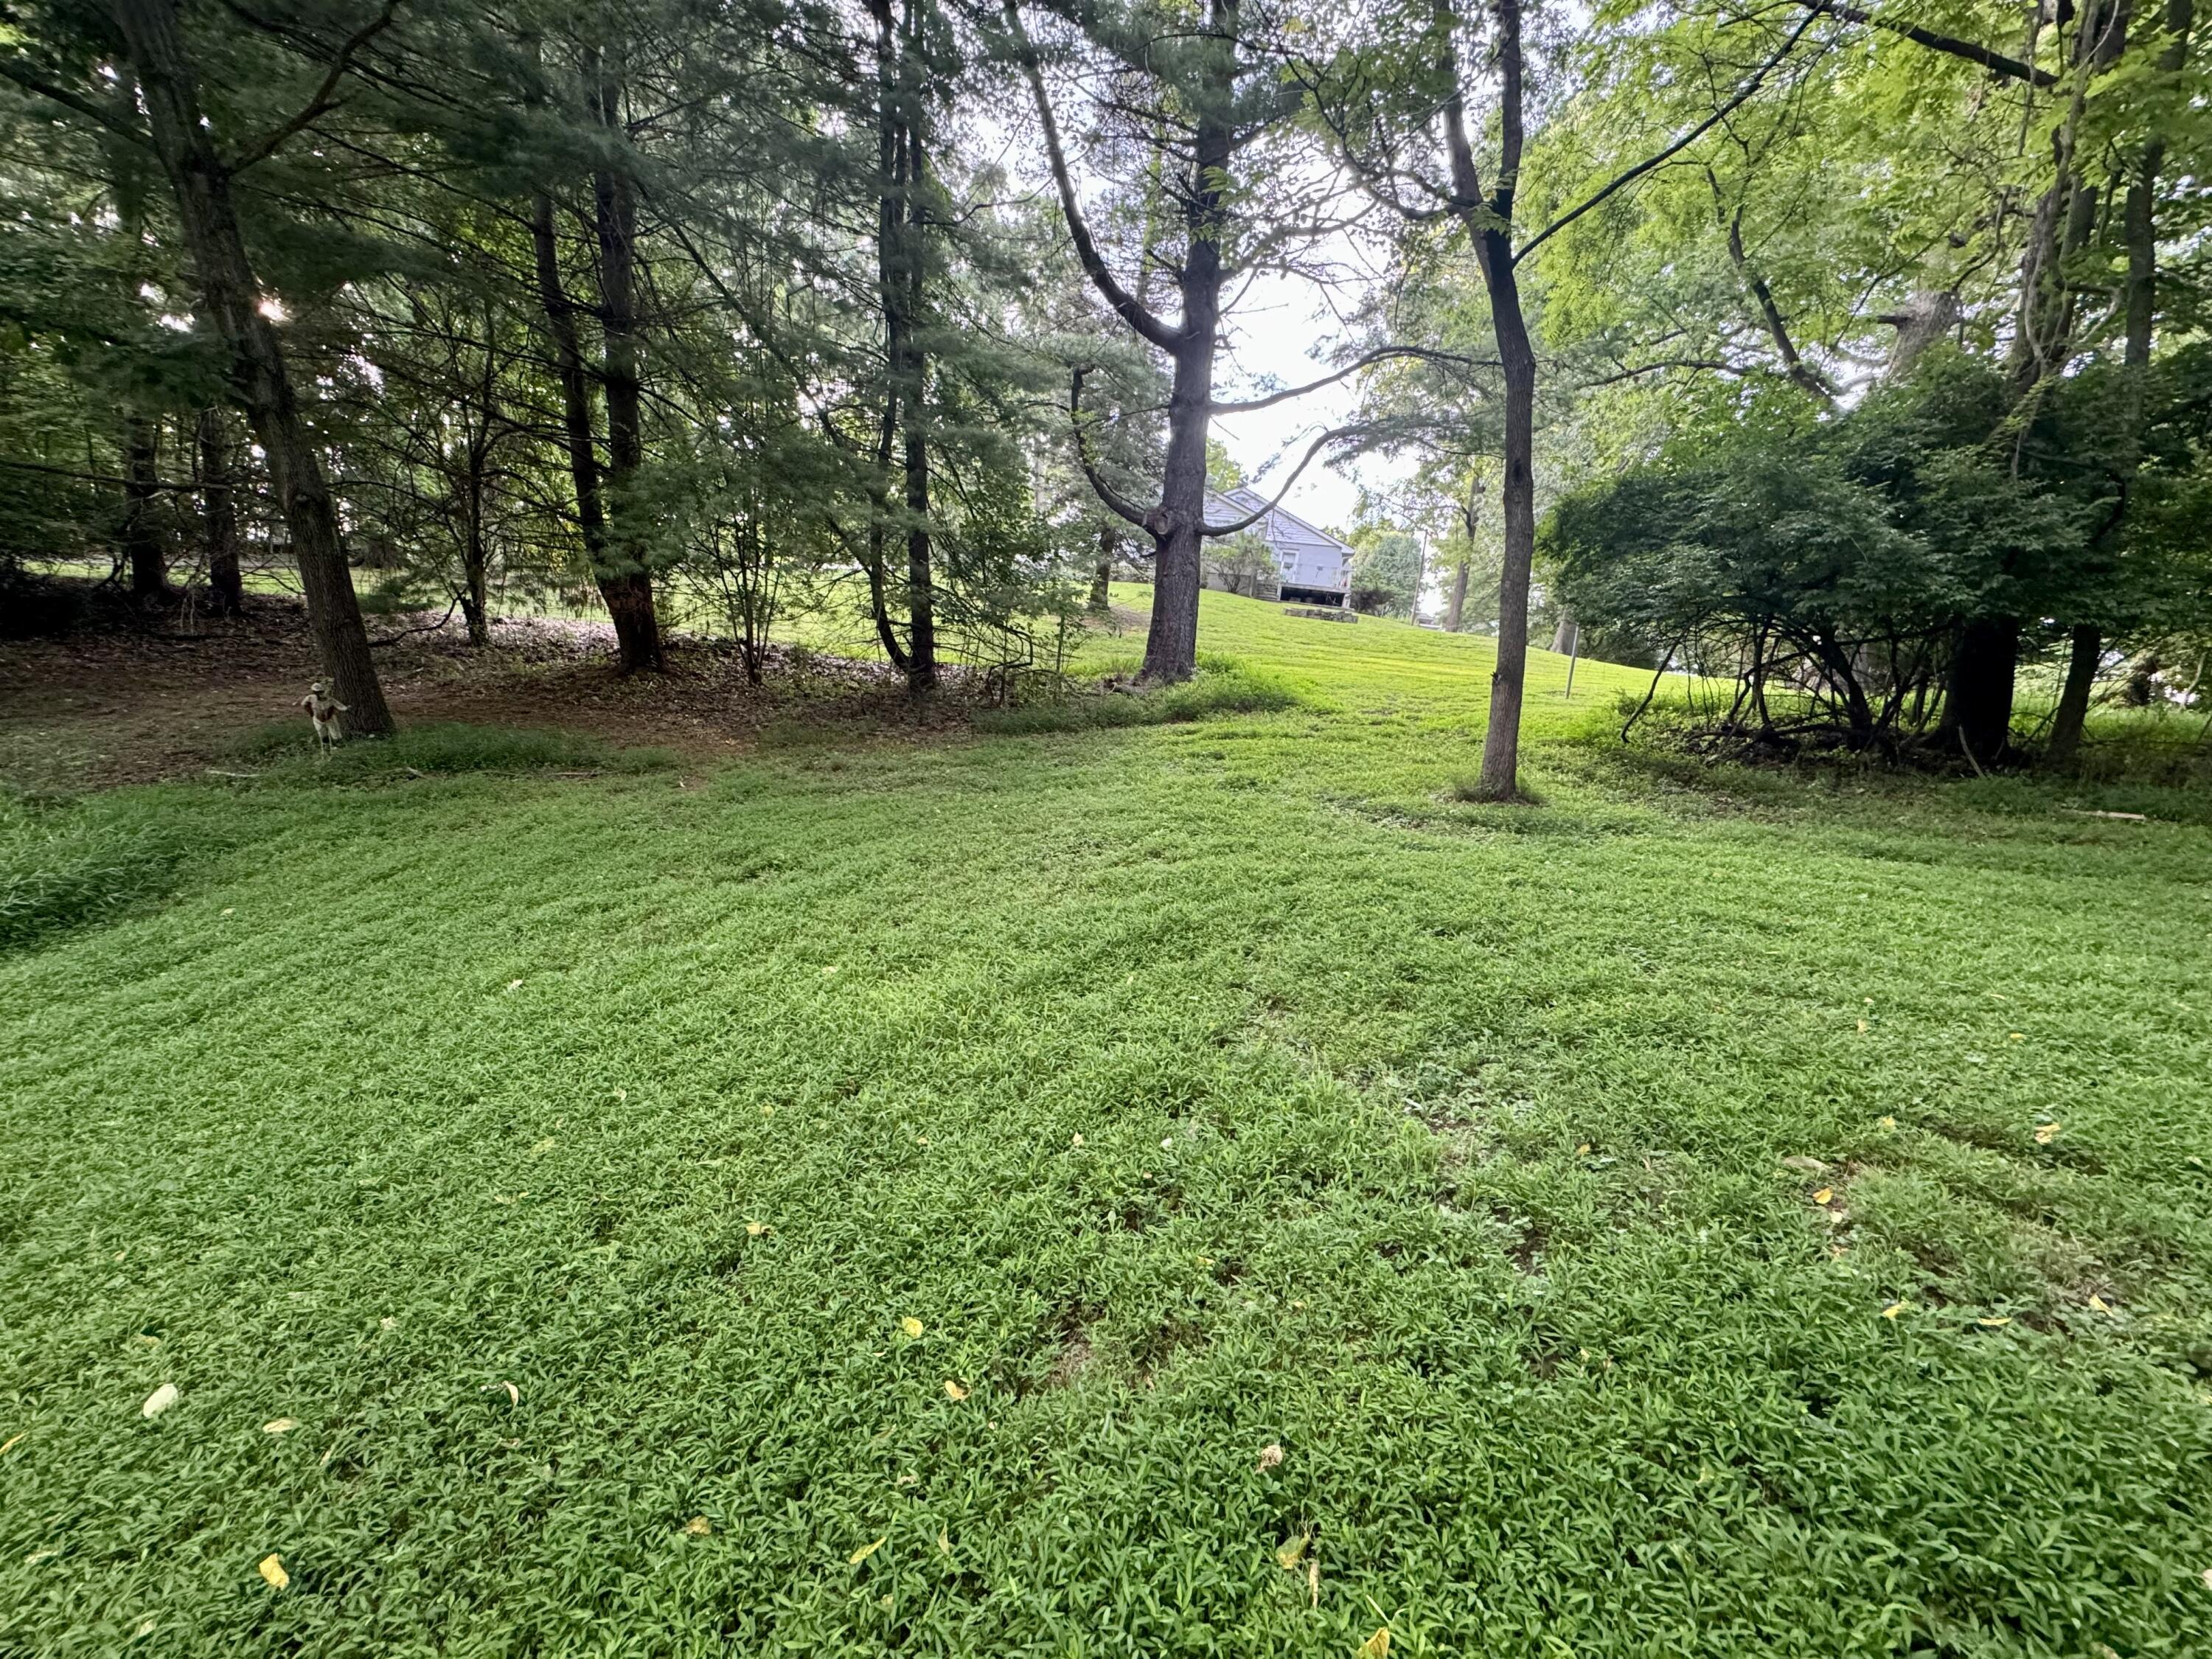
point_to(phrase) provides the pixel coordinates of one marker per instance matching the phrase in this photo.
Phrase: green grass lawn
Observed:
(891, 1198)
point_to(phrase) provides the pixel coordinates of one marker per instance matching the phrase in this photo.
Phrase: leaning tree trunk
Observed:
(626, 582)
(1455, 606)
(258, 373)
(142, 529)
(219, 515)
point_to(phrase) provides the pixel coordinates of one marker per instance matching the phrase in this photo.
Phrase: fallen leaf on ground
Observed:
(1862, 1028)
(2100, 1305)
(910, 1325)
(698, 1526)
(514, 984)
(1993, 1323)
(1271, 1454)
(1885, 1122)
(1824, 1195)
(1377, 1646)
(272, 1569)
(943, 1541)
(953, 1390)
(513, 1393)
(279, 1426)
(755, 1229)
(866, 1551)
(2045, 1133)
(159, 1400)
(1893, 1310)
(13, 1441)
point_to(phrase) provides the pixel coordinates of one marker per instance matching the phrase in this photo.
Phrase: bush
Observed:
(443, 747)
(66, 865)
(1222, 687)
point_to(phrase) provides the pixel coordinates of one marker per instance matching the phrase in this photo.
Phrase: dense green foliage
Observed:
(1195, 1088)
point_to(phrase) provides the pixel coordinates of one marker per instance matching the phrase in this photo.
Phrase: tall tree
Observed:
(202, 183)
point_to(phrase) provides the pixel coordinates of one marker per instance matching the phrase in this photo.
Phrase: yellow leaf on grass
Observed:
(13, 1441)
(159, 1400)
(513, 1393)
(1862, 1028)
(1893, 1310)
(698, 1526)
(1377, 1646)
(1885, 1122)
(1293, 1552)
(910, 1325)
(279, 1426)
(866, 1551)
(2045, 1133)
(2100, 1305)
(943, 1541)
(1824, 1195)
(1581, 1151)
(756, 1229)
(1993, 1323)
(953, 1390)
(272, 1569)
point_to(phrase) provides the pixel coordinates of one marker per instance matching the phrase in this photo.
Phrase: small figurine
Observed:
(324, 709)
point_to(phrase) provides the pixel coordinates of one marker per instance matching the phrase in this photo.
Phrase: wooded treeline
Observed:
(1851, 351)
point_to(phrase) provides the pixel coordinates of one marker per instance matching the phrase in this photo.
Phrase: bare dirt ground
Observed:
(137, 704)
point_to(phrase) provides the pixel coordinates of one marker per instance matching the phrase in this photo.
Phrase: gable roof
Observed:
(1222, 506)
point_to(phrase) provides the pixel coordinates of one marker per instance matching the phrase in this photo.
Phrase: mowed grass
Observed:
(565, 1157)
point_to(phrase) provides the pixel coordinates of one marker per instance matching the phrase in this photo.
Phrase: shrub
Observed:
(1222, 687)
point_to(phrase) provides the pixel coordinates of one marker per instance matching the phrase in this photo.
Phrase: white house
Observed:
(1312, 565)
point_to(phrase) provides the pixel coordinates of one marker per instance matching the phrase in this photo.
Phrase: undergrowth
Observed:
(1220, 687)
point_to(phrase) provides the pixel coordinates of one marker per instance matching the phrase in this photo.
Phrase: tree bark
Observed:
(259, 375)
(2081, 665)
(1455, 606)
(141, 532)
(1102, 582)
(1490, 226)
(626, 581)
(1977, 698)
(219, 514)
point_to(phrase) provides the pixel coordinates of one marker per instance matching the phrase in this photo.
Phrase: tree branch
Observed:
(324, 100)
(1127, 306)
(1251, 518)
(1996, 61)
(1113, 498)
(1379, 355)
(23, 77)
(1622, 179)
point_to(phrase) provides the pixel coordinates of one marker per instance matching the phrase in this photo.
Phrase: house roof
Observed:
(1225, 505)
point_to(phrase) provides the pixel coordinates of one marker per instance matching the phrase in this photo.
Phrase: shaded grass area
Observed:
(1193, 1089)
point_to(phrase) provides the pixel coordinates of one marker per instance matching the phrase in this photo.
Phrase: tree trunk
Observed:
(1489, 225)
(920, 602)
(619, 594)
(1455, 606)
(626, 581)
(141, 529)
(258, 373)
(2074, 701)
(1977, 697)
(1102, 583)
(475, 611)
(900, 286)
(219, 510)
